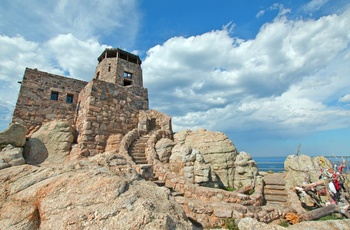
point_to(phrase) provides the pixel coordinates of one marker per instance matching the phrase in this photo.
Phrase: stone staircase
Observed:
(137, 150)
(137, 153)
(274, 190)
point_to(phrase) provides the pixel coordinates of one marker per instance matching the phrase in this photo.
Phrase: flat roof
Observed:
(112, 52)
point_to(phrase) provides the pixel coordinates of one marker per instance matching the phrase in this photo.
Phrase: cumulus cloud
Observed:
(61, 37)
(64, 55)
(287, 78)
(345, 99)
(74, 56)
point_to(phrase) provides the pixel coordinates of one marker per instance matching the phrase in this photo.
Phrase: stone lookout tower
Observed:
(101, 111)
(119, 67)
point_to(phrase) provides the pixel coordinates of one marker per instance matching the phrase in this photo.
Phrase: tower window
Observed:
(97, 75)
(127, 75)
(109, 67)
(69, 98)
(54, 96)
(127, 82)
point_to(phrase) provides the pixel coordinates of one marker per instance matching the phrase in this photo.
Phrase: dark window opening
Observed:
(54, 96)
(133, 60)
(69, 98)
(127, 75)
(97, 75)
(109, 67)
(123, 56)
(127, 82)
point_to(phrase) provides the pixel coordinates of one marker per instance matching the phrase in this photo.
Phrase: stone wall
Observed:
(34, 105)
(112, 70)
(151, 120)
(107, 109)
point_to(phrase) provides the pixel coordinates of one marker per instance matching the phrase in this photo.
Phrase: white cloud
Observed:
(75, 56)
(287, 78)
(345, 99)
(38, 20)
(282, 11)
(315, 5)
(64, 55)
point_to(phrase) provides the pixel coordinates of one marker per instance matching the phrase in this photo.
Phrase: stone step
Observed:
(139, 157)
(275, 198)
(275, 204)
(275, 187)
(137, 150)
(275, 192)
(142, 150)
(140, 162)
(138, 154)
(273, 181)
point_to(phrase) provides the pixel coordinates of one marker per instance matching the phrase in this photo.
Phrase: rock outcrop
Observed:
(304, 169)
(102, 192)
(250, 223)
(50, 144)
(163, 149)
(15, 135)
(11, 156)
(246, 170)
(215, 148)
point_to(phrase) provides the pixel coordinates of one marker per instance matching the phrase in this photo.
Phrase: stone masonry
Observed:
(34, 105)
(107, 106)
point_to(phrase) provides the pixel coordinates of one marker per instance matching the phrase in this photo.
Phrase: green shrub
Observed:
(250, 192)
(230, 189)
(230, 223)
(330, 217)
(284, 224)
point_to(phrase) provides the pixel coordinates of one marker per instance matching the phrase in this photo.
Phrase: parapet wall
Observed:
(107, 109)
(34, 105)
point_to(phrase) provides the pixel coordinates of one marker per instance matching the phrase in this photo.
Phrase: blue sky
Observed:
(271, 75)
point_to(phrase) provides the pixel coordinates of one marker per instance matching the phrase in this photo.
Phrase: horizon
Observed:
(270, 75)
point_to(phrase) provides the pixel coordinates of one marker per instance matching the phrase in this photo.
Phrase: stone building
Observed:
(107, 106)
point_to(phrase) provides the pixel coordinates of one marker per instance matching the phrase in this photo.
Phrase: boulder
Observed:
(246, 170)
(50, 144)
(216, 149)
(163, 149)
(11, 156)
(304, 169)
(15, 135)
(101, 192)
(190, 163)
